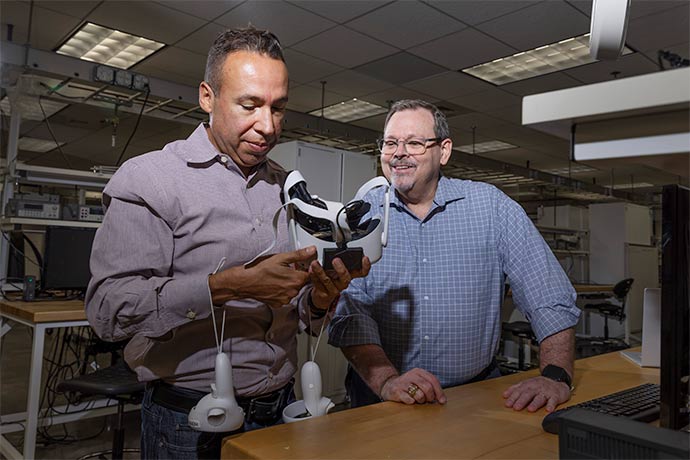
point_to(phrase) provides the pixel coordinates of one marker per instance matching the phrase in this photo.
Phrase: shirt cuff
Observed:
(547, 321)
(345, 331)
(184, 299)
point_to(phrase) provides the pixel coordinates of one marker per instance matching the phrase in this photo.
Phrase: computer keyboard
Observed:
(641, 403)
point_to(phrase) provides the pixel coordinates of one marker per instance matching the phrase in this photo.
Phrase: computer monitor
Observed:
(591, 435)
(66, 258)
(675, 306)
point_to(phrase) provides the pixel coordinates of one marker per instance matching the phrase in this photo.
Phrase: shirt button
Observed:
(223, 159)
(270, 375)
(426, 297)
(423, 260)
(426, 337)
(191, 314)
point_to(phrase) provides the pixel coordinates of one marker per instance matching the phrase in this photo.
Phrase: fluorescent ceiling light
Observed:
(568, 53)
(634, 185)
(37, 145)
(30, 108)
(574, 169)
(354, 109)
(483, 147)
(107, 46)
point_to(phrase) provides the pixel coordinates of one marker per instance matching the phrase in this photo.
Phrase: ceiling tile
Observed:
(485, 125)
(628, 66)
(165, 65)
(476, 11)
(77, 9)
(201, 40)
(205, 9)
(376, 122)
(306, 98)
(542, 84)
(462, 49)
(400, 68)
(352, 84)
(290, 23)
(682, 50)
(487, 100)
(345, 47)
(449, 85)
(647, 34)
(339, 11)
(48, 28)
(511, 114)
(404, 24)
(383, 98)
(554, 21)
(304, 68)
(135, 18)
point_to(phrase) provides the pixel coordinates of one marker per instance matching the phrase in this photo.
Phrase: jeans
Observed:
(166, 434)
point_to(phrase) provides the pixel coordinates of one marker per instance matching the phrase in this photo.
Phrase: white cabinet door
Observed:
(321, 168)
(357, 169)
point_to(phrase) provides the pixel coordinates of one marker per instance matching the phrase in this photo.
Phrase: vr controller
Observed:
(336, 229)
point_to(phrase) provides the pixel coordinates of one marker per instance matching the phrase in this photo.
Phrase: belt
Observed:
(264, 409)
(485, 373)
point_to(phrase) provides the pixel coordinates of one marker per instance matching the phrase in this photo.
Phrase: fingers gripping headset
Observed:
(336, 231)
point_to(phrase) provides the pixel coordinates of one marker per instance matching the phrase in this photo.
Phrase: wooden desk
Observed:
(473, 424)
(592, 288)
(40, 316)
(44, 312)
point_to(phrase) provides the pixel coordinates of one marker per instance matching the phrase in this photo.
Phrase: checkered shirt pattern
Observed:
(434, 299)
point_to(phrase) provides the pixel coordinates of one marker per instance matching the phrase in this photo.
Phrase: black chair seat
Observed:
(116, 382)
(111, 381)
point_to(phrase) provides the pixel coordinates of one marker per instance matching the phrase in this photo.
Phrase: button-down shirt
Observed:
(171, 216)
(434, 299)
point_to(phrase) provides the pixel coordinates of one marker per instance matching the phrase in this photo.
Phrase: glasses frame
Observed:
(434, 140)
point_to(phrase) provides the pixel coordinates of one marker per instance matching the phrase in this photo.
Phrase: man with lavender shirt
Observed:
(172, 215)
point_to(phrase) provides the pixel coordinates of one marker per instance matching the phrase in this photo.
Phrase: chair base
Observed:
(102, 454)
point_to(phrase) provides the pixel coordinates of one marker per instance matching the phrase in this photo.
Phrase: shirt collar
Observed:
(203, 154)
(445, 193)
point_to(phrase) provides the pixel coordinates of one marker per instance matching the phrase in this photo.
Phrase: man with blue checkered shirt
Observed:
(428, 315)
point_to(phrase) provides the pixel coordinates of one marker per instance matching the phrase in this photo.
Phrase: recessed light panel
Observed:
(568, 53)
(483, 147)
(574, 169)
(354, 109)
(108, 46)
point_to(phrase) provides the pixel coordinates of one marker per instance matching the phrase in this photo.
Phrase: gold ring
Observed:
(412, 389)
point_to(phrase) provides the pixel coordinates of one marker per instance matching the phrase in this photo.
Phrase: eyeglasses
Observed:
(414, 146)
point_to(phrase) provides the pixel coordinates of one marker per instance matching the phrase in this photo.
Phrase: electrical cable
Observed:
(136, 126)
(52, 134)
(39, 265)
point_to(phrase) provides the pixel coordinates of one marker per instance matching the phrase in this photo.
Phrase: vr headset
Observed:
(336, 229)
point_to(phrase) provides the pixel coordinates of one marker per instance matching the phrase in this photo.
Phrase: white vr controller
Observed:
(334, 228)
(218, 411)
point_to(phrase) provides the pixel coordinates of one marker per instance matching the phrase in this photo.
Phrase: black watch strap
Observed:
(558, 374)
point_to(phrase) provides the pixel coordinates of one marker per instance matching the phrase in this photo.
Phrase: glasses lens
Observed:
(388, 146)
(415, 146)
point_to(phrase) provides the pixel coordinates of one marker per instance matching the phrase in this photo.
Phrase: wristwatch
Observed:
(558, 374)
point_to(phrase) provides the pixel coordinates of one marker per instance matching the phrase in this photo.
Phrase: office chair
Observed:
(523, 331)
(608, 309)
(116, 382)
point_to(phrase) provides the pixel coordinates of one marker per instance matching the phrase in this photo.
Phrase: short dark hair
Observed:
(440, 123)
(242, 39)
